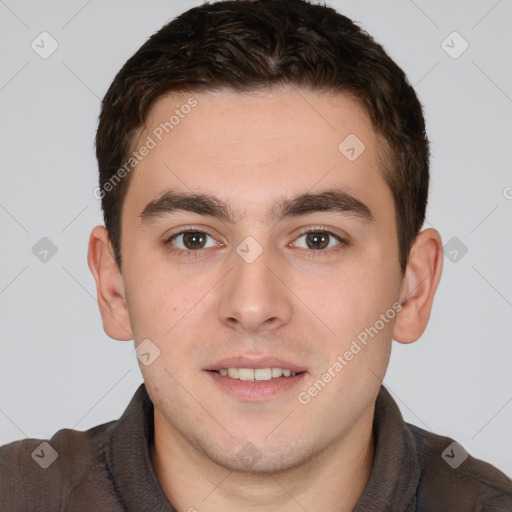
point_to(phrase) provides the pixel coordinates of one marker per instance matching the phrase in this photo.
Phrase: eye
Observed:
(318, 240)
(191, 241)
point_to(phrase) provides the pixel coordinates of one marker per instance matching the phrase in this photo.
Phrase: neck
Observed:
(333, 481)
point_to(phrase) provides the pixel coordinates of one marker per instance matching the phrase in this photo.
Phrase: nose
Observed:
(254, 296)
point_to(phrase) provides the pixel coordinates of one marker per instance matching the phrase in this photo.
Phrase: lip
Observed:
(255, 391)
(262, 362)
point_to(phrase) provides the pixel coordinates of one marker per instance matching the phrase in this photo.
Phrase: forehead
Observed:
(243, 147)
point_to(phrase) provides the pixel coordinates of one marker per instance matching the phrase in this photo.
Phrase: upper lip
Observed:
(252, 362)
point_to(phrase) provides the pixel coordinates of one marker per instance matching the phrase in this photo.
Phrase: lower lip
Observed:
(255, 391)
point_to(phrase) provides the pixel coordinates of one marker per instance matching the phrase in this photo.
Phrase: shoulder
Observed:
(42, 473)
(451, 479)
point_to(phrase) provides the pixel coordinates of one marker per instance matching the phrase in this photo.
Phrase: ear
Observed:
(109, 285)
(419, 286)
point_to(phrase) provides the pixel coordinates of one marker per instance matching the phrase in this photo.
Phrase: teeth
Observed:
(262, 374)
(258, 374)
(277, 372)
(245, 373)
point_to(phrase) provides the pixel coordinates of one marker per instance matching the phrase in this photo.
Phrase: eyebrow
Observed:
(330, 200)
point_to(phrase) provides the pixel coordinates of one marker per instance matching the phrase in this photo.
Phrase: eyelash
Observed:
(309, 230)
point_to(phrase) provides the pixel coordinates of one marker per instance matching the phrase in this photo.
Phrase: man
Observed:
(264, 177)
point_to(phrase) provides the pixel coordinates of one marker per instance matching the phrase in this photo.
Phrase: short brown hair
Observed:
(250, 44)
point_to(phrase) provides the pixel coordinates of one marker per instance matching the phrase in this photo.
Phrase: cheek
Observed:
(350, 298)
(351, 306)
(153, 303)
(166, 304)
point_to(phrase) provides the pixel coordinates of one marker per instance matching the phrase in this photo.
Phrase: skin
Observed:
(293, 302)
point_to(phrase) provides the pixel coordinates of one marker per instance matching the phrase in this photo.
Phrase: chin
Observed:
(259, 458)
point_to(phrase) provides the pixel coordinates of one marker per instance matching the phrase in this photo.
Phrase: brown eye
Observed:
(319, 240)
(191, 240)
(194, 240)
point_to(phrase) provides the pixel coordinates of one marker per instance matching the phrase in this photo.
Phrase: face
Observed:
(290, 263)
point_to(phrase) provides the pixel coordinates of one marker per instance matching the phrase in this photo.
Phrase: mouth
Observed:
(256, 369)
(256, 374)
(252, 380)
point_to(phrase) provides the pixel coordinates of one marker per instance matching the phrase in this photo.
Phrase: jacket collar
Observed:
(396, 472)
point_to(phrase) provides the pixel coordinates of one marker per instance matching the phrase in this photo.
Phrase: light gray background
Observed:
(58, 368)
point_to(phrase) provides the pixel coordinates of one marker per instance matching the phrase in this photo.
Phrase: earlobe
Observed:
(109, 286)
(419, 286)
